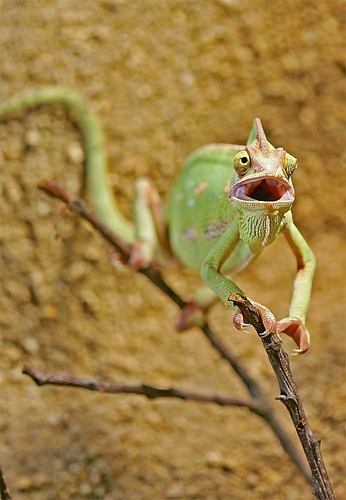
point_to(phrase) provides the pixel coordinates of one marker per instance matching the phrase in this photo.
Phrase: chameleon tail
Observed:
(96, 166)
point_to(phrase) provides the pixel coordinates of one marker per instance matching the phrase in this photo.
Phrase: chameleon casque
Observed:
(227, 204)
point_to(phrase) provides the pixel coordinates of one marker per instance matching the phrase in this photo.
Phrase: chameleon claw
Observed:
(228, 304)
(268, 319)
(264, 334)
(238, 322)
(298, 352)
(242, 329)
(116, 260)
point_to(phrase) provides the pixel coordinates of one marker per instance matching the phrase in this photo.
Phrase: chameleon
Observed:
(228, 203)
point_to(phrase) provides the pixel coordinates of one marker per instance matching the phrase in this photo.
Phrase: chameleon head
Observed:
(263, 174)
(262, 191)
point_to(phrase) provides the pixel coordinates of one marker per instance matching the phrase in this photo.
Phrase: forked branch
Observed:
(289, 396)
(272, 344)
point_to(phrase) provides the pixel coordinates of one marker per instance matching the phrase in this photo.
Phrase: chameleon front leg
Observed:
(294, 325)
(223, 286)
(217, 285)
(212, 265)
(194, 313)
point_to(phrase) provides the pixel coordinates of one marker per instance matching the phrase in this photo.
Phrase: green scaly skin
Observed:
(228, 203)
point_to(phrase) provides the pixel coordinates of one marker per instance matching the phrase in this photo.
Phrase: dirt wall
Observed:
(165, 78)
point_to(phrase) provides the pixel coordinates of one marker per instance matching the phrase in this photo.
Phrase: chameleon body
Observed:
(227, 204)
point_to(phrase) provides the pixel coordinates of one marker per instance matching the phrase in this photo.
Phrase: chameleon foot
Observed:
(292, 327)
(295, 329)
(268, 319)
(139, 258)
(116, 260)
(191, 315)
(238, 322)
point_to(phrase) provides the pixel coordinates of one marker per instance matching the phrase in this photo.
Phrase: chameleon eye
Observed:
(290, 165)
(241, 162)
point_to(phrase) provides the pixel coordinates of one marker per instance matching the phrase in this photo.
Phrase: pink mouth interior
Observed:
(267, 189)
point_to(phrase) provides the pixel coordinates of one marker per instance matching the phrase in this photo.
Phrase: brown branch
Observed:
(4, 491)
(289, 396)
(78, 206)
(62, 379)
(256, 392)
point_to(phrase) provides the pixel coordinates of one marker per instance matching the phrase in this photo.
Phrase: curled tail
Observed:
(96, 165)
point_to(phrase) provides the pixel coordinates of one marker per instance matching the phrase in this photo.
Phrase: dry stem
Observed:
(150, 392)
(278, 359)
(289, 396)
(4, 491)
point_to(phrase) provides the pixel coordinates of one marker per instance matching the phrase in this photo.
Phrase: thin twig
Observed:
(289, 396)
(78, 206)
(256, 392)
(150, 392)
(4, 491)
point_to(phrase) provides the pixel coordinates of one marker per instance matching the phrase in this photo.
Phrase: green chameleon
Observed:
(228, 203)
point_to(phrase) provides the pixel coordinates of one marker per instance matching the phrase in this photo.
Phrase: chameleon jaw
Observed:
(264, 189)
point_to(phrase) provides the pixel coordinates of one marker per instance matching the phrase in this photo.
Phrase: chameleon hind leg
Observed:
(151, 242)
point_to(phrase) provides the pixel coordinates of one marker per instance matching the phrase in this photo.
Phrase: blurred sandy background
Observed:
(165, 78)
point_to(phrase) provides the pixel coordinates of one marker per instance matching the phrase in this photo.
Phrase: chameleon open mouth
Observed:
(264, 189)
